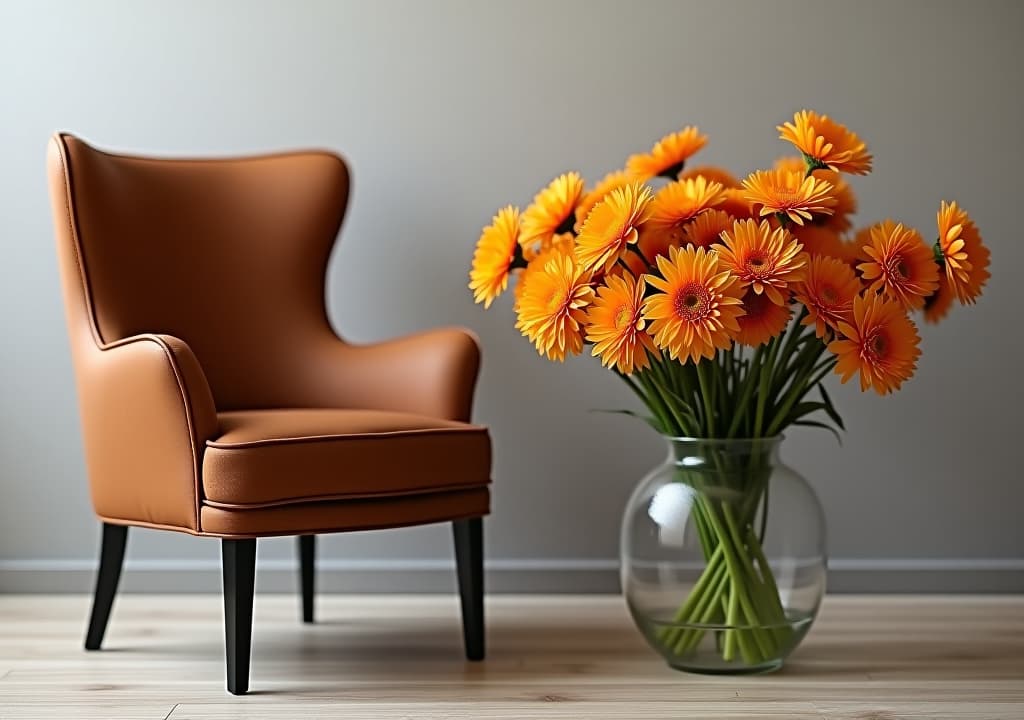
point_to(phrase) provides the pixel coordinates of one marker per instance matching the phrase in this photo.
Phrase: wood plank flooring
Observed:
(878, 658)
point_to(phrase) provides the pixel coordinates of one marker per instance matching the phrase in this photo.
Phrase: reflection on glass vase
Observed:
(723, 556)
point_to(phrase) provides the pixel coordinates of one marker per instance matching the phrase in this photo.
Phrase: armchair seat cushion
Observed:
(270, 458)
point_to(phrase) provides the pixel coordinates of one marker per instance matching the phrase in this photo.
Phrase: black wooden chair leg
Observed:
(238, 562)
(307, 570)
(469, 560)
(111, 558)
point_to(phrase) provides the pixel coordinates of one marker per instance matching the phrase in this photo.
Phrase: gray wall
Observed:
(448, 110)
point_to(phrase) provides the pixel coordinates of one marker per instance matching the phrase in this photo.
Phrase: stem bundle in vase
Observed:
(724, 305)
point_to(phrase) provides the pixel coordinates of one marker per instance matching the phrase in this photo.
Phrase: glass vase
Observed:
(723, 556)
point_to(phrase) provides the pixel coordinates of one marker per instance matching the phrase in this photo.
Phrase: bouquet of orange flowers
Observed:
(723, 304)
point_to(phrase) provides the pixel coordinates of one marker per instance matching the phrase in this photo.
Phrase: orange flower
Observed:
(900, 264)
(675, 205)
(550, 213)
(766, 260)
(826, 143)
(616, 328)
(827, 292)
(711, 173)
(552, 306)
(965, 258)
(612, 226)
(736, 204)
(697, 304)
(763, 320)
(880, 343)
(705, 229)
(791, 163)
(611, 181)
(789, 194)
(937, 305)
(668, 156)
(493, 257)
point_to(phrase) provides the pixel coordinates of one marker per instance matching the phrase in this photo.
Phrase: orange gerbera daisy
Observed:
(964, 256)
(826, 143)
(712, 173)
(616, 328)
(696, 307)
(762, 320)
(846, 201)
(880, 342)
(705, 229)
(675, 205)
(766, 260)
(900, 265)
(550, 213)
(611, 181)
(821, 240)
(827, 291)
(612, 226)
(736, 204)
(552, 306)
(789, 194)
(493, 257)
(937, 305)
(668, 156)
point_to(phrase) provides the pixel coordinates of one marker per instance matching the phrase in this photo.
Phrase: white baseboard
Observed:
(860, 575)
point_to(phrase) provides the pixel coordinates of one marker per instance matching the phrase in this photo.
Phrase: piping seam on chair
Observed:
(353, 497)
(98, 338)
(245, 444)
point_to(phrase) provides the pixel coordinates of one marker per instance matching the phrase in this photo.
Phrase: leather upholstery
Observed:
(337, 454)
(194, 299)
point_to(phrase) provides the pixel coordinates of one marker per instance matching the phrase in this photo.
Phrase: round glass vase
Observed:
(723, 556)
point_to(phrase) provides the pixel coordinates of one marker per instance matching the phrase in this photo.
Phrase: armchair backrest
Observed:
(228, 255)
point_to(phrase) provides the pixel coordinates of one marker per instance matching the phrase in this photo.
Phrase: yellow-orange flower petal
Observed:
(612, 226)
(827, 291)
(827, 143)
(551, 213)
(763, 320)
(668, 156)
(964, 256)
(789, 194)
(552, 307)
(764, 259)
(900, 264)
(712, 173)
(616, 327)
(493, 256)
(822, 240)
(674, 206)
(937, 305)
(611, 181)
(704, 230)
(880, 343)
(696, 305)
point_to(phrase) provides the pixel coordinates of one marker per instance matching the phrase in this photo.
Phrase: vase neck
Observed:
(694, 452)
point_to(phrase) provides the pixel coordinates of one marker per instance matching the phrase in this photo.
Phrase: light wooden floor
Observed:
(549, 657)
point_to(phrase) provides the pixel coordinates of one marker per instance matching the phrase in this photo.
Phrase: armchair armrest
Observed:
(429, 373)
(147, 411)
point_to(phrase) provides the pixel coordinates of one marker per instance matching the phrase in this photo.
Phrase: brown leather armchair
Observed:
(215, 398)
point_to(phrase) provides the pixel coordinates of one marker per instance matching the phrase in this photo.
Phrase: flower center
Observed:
(692, 301)
(623, 317)
(897, 268)
(877, 345)
(557, 301)
(829, 295)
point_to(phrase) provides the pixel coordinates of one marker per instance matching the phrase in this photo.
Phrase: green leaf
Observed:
(826, 426)
(830, 408)
(653, 422)
(802, 409)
